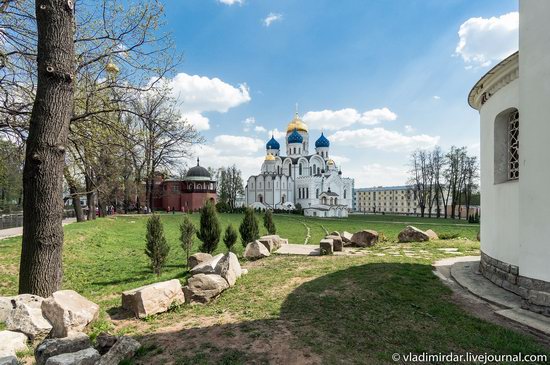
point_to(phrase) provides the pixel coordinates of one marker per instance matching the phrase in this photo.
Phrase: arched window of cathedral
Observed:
(300, 169)
(324, 200)
(506, 146)
(307, 193)
(317, 194)
(283, 199)
(318, 170)
(345, 193)
(336, 201)
(199, 187)
(331, 201)
(310, 170)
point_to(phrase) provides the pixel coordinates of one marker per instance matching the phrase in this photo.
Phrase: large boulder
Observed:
(229, 268)
(432, 234)
(327, 246)
(26, 317)
(5, 308)
(268, 243)
(364, 238)
(202, 288)
(256, 250)
(88, 356)
(346, 238)
(412, 234)
(208, 266)
(8, 360)
(11, 342)
(57, 346)
(68, 312)
(337, 243)
(275, 244)
(197, 258)
(104, 342)
(154, 298)
(125, 348)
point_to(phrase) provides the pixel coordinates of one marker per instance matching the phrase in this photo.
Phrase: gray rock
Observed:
(244, 271)
(57, 346)
(268, 243)
(335, 233)
(229, 268)
(346, 237)
(8, 360)
(5, 308)
(327, 246)
(432, 234)
(276, 240)
(202, 288)
(125, 348)
(68, 312)
(364, 238)
(26, 317)
(11, 342)
(412, 234)
(88, 356)
(208, 266)
(104, 342)
(197, 258)
(154, 298)
(256, 250)
(337, 243)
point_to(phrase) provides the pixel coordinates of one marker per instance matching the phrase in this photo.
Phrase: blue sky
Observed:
(380, 77)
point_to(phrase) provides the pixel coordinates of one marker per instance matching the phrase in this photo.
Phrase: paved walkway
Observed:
(18, 231)
(312, 250)
(465, 272)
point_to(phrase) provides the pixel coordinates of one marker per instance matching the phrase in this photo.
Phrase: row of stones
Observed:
(535, 293)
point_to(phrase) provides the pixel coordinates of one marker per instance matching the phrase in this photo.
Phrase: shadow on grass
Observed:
(360, 315)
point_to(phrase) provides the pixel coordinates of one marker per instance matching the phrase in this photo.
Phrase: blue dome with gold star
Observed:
(322, 141)
(295, 137)
(273, 144)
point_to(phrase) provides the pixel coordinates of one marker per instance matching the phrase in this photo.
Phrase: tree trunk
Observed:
(41, 270)
(74, 196)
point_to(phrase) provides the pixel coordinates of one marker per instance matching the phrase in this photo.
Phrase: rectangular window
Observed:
(513, 146)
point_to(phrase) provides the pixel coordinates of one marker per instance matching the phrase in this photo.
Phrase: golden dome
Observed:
(270, 157)
(297, 124)
(330, 162)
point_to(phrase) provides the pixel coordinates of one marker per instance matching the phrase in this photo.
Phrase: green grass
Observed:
(354, 309)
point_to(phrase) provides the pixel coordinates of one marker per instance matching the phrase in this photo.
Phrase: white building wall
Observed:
(500, 201)
(534, 87)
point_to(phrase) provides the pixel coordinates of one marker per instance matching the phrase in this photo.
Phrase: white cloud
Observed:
(271, 18)
(260, 129)
(409, 129)
(487, 40)
(339, 119)
(437, 97)
(229, 144)
(199, 94)
(382, 139)
(379, 175)
(231, 2)
(279, 135)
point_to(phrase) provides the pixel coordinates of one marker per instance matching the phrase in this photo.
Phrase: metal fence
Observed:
(16, 219)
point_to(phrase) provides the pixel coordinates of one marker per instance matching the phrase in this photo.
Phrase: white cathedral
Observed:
(313, 181)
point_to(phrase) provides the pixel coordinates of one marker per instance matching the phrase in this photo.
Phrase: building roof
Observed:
(493, 80)
(198, 171)
(272, 144)
(322, 141)
(295, 137)
(386, 188)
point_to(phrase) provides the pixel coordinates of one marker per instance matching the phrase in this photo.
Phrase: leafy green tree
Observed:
(249, 227)
(210, 231)
(268, 222)
(187, 231)
(157, 249)
(230, 237)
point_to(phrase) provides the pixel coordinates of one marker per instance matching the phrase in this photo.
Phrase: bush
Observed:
(210, 231)
(249, 227)
(187, 231)
(268, 222)
(223, 207)
(157, 249)
(230, 237)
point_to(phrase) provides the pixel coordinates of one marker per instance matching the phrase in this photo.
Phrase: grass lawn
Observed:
(356, 309)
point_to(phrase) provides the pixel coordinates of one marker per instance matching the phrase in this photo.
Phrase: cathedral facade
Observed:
(294, 176)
